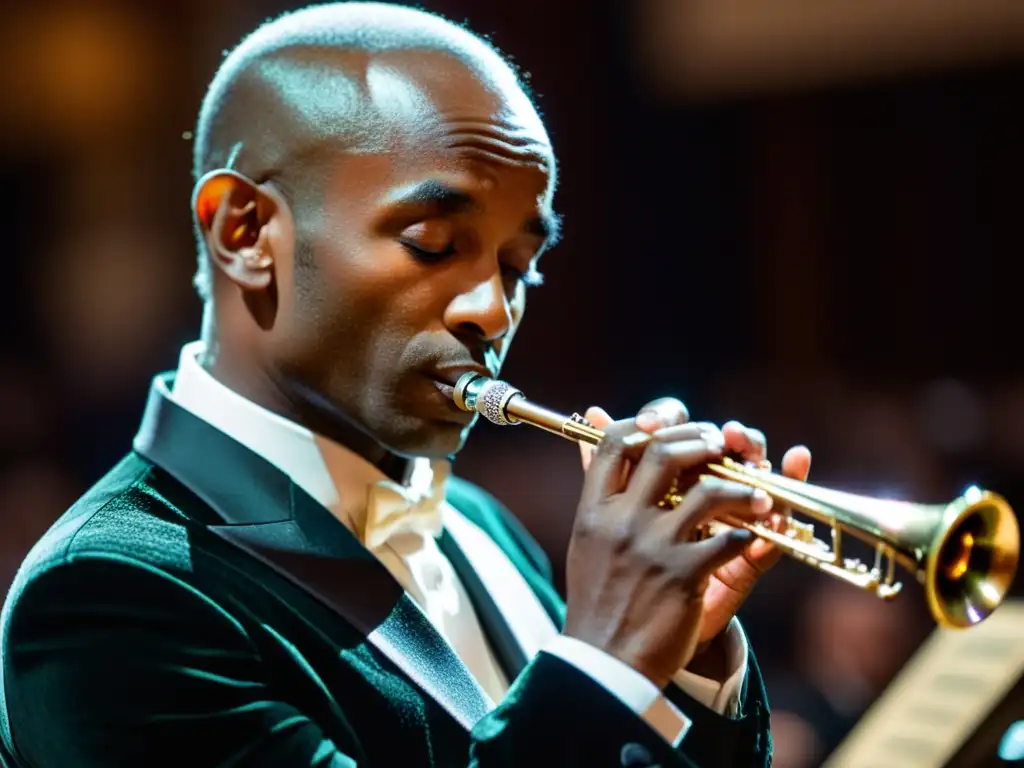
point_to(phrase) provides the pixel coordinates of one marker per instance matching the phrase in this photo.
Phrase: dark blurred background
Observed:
(809, 211)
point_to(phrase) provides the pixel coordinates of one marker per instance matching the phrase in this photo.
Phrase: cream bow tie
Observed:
(393, 508)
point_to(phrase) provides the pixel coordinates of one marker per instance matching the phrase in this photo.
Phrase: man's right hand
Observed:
(635, 582)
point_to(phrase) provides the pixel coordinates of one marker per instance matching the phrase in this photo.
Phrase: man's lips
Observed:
(449, 376)
(446, 389)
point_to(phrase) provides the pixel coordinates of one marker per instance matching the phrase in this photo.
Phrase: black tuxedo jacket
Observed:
(196, 608)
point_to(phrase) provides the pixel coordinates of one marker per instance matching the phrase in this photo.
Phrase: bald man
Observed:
(282, 571)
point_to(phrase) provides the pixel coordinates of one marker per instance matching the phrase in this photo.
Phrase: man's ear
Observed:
(233, 213)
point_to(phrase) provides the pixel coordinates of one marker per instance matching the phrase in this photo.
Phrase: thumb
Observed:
(721, 548)
(599, 418)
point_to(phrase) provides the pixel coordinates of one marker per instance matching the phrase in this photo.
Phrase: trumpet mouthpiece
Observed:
(493, 400)
(467, 388)
(488, 397)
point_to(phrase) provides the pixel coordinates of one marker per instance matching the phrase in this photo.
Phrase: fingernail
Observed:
(761, 502)
(741, 536)
(715, 442)
(710, 431)
(637, 438)
(648, 420)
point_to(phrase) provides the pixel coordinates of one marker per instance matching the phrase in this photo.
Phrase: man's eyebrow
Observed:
(438, 196)
(447, 200)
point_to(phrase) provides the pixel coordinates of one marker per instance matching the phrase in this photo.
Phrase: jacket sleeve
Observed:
(742, 740)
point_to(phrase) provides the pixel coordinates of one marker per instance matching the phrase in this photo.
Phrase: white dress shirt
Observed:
(399, 523)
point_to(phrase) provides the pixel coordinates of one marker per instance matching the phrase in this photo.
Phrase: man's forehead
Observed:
(410, 113)
(430, 92)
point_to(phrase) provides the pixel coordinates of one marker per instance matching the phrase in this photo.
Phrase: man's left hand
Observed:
(733, 582)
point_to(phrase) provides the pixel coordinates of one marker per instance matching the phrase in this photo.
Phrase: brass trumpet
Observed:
(963, 553)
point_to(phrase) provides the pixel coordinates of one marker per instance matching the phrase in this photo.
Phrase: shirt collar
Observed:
(335, 476)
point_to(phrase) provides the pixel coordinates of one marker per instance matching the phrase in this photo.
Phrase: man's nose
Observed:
(482, 312)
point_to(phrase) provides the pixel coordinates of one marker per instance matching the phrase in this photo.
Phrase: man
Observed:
(282, 572)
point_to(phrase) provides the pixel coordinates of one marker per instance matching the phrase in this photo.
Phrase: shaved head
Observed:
(324, 80)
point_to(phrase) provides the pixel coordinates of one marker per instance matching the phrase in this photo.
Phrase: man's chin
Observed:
(434, 440)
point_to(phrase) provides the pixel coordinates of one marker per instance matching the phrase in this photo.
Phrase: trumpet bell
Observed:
(972, 562)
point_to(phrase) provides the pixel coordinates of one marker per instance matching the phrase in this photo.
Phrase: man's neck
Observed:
(260, 389)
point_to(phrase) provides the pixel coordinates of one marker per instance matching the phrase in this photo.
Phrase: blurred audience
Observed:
(847, 648)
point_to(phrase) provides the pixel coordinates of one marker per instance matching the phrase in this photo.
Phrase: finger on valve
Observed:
(598, 417)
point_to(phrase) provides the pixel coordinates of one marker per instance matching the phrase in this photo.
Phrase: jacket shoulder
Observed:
(124, 514)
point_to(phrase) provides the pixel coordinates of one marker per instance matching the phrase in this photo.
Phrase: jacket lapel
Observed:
(496, 626)
(277, 523)
(489, 534)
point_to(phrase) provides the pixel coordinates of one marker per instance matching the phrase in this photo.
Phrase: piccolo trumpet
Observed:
(963, 553)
